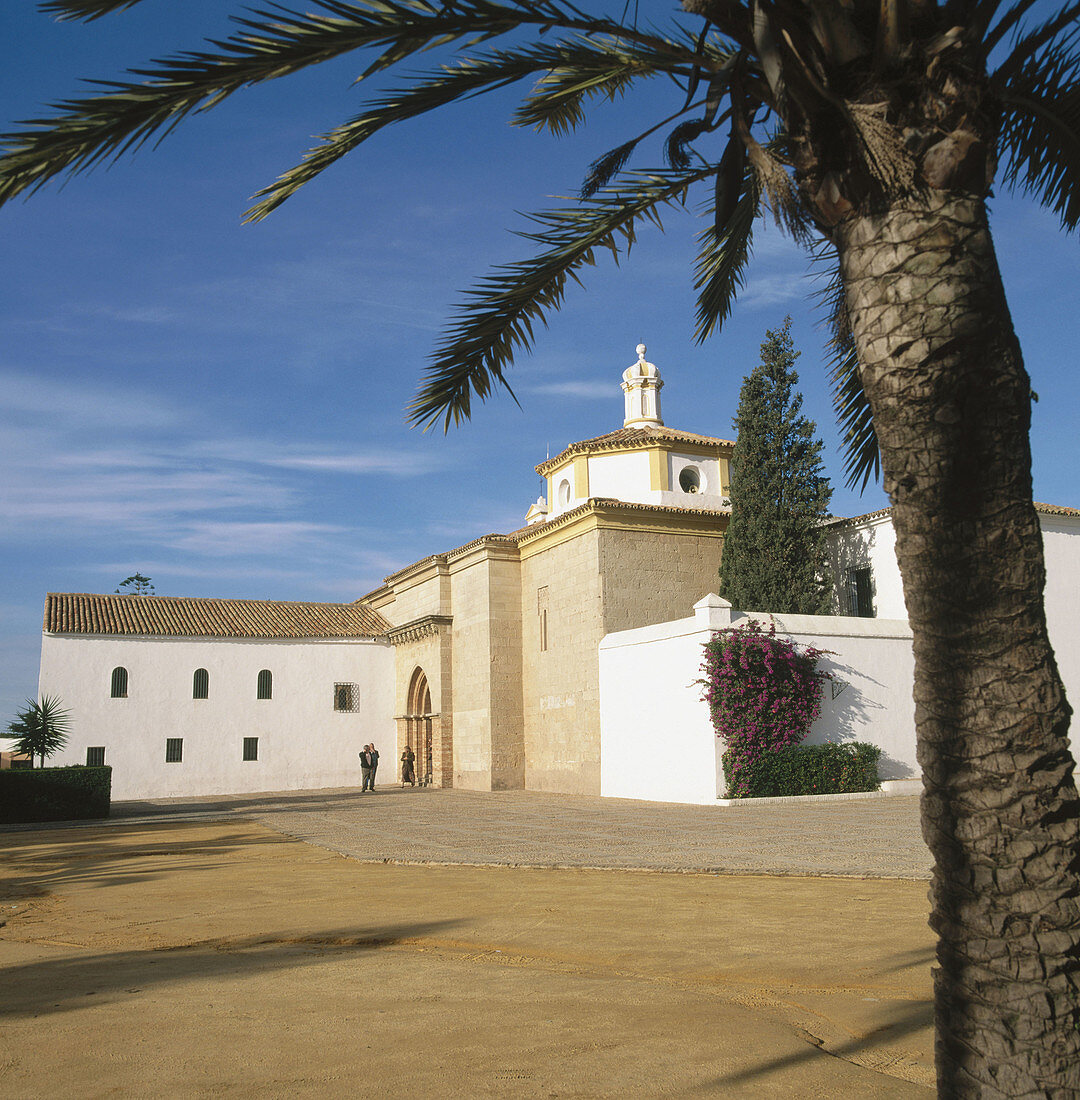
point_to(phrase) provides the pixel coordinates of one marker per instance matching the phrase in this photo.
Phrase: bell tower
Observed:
(641, 384)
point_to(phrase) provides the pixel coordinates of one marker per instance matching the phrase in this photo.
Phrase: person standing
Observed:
(375, 763)
(408, 767)
(367, 769)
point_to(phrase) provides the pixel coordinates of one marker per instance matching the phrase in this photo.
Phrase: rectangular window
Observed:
(346, 697)
(95, 758)
(174, 750)
(860, 593)
(251, 748)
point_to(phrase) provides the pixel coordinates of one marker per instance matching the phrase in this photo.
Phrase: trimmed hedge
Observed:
(54, 794)
(811, 769)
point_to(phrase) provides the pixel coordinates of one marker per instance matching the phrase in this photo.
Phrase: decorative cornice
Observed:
(636, 439)
(429, 626)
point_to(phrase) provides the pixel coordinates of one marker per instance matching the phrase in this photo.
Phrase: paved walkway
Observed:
(866, 838)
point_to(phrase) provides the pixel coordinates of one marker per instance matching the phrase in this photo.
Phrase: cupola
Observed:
(641, 384)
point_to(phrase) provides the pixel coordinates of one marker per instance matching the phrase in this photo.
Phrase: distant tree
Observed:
(41, 728)
(135, 585)
(774, 549)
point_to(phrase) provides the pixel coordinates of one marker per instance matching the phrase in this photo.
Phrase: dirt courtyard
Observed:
(225, 959)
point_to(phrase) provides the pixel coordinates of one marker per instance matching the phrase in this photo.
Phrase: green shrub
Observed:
(811, 769)
(54, 794)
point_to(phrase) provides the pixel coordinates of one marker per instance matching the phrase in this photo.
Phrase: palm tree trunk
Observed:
(942, 369)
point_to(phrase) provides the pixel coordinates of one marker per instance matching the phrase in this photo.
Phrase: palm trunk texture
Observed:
(943, 372)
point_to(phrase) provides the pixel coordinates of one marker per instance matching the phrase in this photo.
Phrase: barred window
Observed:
(174, 750)
(251, 748)
(119, 687)
(200, 684)
(265, 688)
(346, 697)
(95, 757)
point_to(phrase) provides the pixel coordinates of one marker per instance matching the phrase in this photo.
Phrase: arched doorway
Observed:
(418, 732)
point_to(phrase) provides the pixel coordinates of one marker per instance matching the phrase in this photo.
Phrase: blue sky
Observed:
(221, 406)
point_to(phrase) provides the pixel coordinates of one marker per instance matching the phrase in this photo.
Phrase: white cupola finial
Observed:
(641, 384)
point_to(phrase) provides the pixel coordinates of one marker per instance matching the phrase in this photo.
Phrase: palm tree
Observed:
(872, 131)
(40, 728)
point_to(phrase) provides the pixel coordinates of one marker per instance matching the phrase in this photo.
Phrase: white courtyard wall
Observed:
(303, 742)
(874, 543)
(657, 740)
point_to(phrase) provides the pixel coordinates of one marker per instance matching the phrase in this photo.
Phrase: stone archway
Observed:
(423, 733)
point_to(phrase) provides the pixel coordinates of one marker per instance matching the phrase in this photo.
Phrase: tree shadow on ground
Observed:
(55, 985)
(903, 1021)
(104, 857)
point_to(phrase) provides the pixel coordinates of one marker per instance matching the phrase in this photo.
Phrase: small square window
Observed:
(346, 698)
(174, 750)
(95, 758)
(251, 748)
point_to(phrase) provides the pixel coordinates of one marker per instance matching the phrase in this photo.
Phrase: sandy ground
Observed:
(194, 959)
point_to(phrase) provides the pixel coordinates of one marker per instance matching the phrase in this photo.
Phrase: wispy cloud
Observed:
(590, 390)
(26, 394)
(771, 290)
(157, 482)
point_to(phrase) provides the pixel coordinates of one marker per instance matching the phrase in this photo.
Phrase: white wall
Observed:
(1061, 546)
(623, 475)
(303, 741)
(873, 543)
(656, 737)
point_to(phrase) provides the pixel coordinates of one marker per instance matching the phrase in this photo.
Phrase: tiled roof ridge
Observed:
(625, 438)
(1041, 508)
(207, 616)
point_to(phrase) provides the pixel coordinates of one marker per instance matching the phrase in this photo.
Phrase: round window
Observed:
(690, 479)
(564, 492)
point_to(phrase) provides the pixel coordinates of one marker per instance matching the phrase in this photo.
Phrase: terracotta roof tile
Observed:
(196, 617)
(1043, 509)
(629, 438)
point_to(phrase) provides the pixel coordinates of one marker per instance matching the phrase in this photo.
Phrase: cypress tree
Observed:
(774, 549)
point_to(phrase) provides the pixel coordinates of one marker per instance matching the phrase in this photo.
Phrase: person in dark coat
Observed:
(408, 767)
(368, 760)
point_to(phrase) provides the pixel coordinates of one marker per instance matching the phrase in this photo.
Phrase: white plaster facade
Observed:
(657, 740)
(870, 542)
(303, 742)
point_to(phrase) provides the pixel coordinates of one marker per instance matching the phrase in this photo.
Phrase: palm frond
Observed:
(85, 10)
(606, 68)
(470, 77)
(862, 456)
(725, 246)
(677, 146)
(605, 168)
(1040, 133)
(500, 313)
(991, 36)
(270, 44)
(1028, 47)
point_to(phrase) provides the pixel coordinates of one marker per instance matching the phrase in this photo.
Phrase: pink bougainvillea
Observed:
(763, 692)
